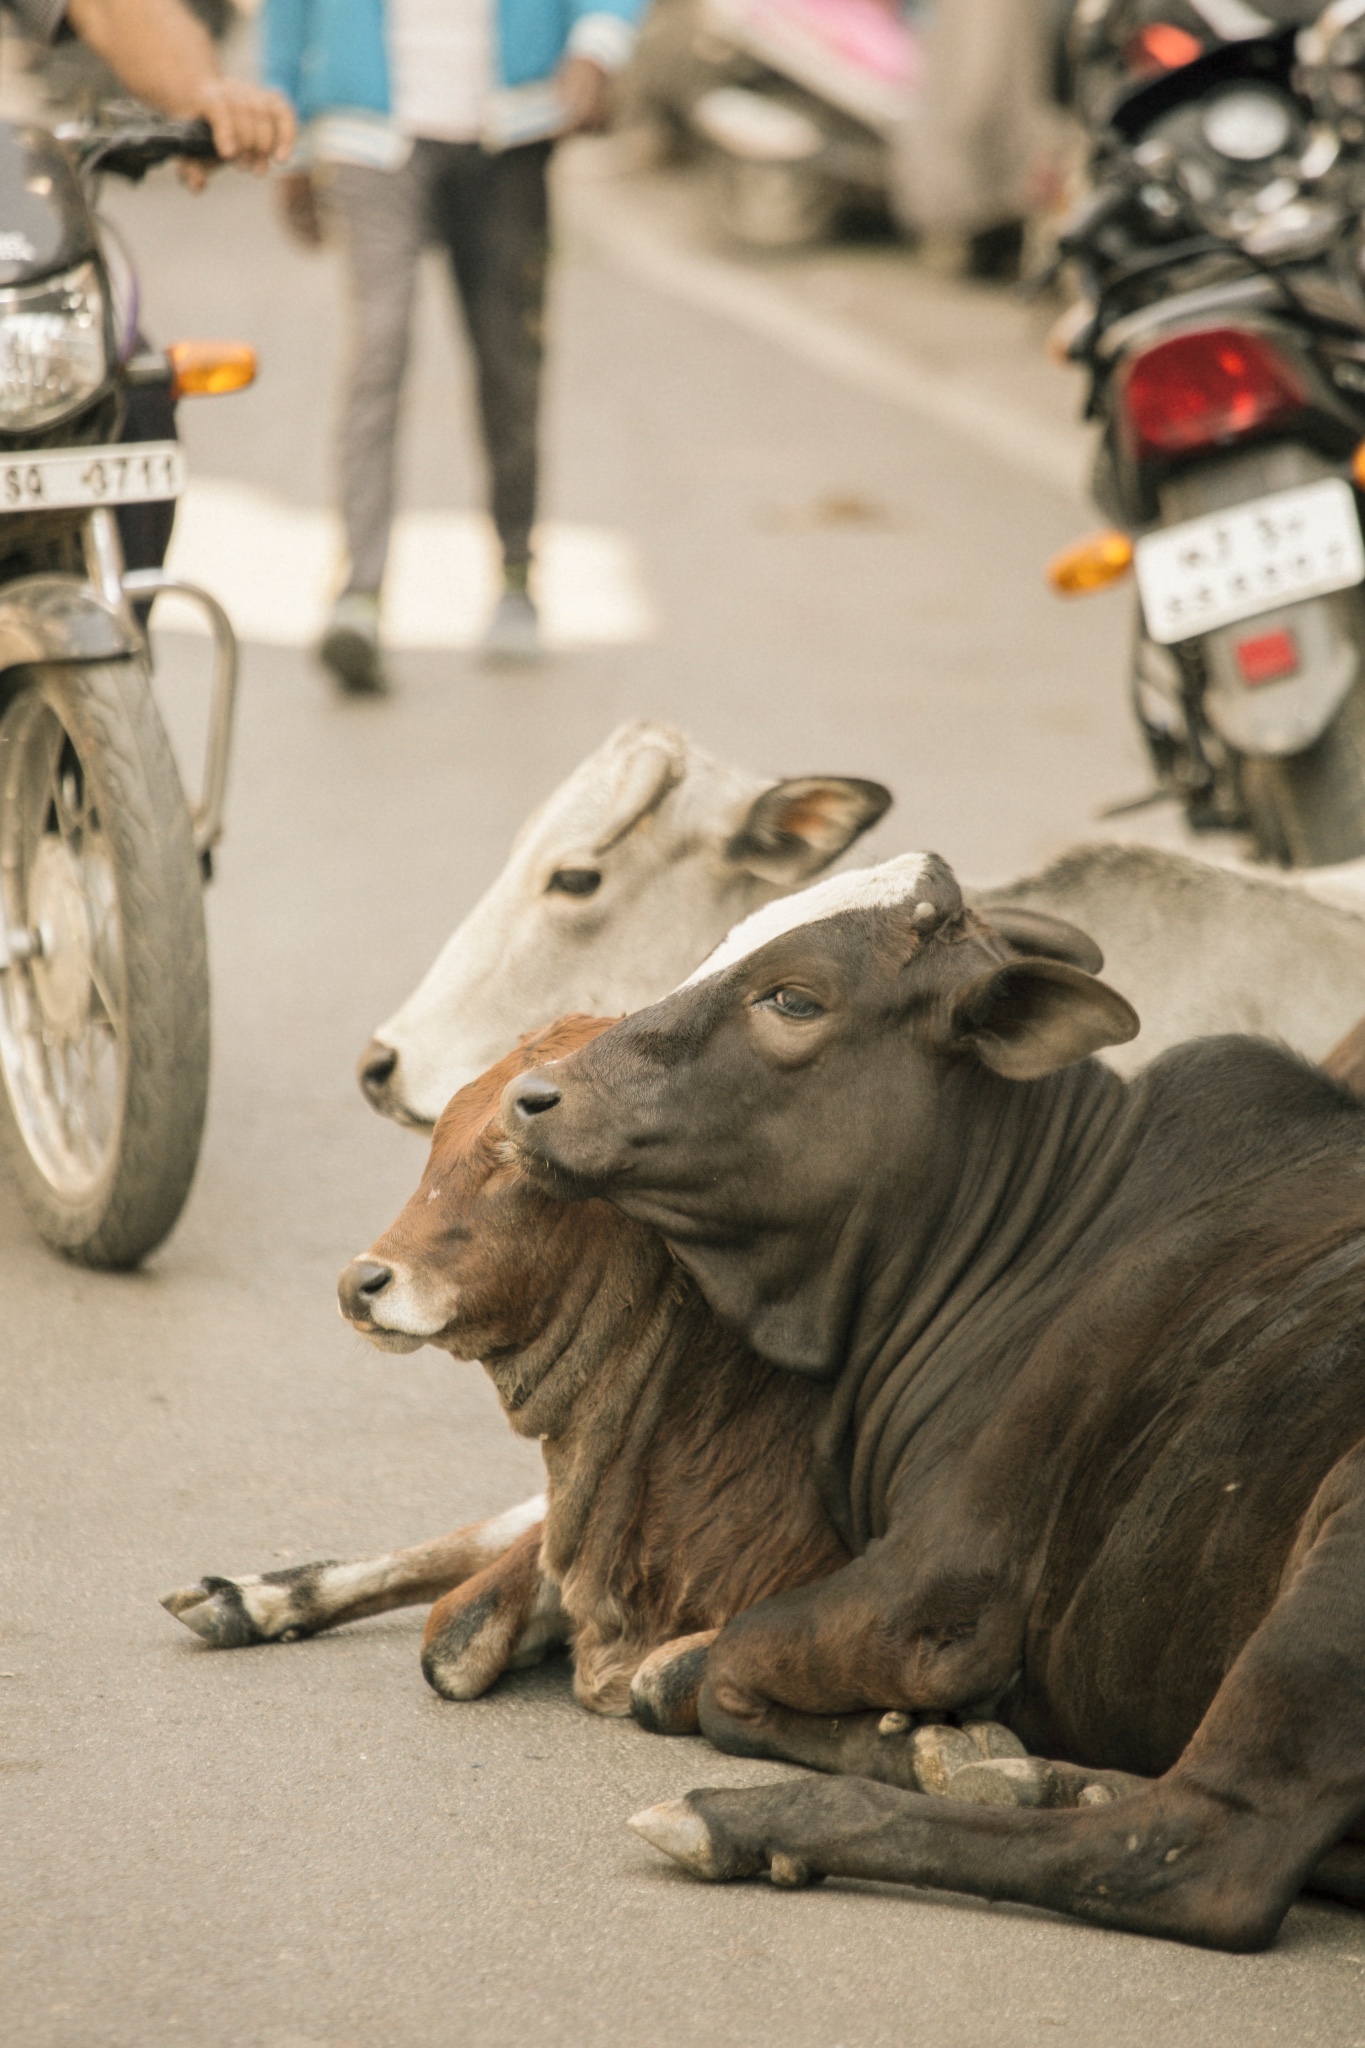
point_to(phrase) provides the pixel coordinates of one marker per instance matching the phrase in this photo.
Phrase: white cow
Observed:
(638, 864)
(625, 877)
(1199, 949)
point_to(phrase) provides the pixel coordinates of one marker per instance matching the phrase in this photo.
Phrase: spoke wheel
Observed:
(103, 977)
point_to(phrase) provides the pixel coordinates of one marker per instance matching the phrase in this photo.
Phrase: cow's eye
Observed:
(795, 1003)
(574, 881)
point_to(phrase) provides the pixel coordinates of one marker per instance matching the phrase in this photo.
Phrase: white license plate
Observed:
(1251, 558)
(52, 479)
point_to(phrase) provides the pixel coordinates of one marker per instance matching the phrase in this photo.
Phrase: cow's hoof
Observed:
(677, 1829)
(1005, 1781)
(469, 1642)
(792, 1873)
(939, 1752)
(684, 1831)
(663, 1692)
(216, 1612)
(992, 1738)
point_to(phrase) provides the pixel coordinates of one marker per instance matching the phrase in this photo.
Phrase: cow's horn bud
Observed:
(924, 914)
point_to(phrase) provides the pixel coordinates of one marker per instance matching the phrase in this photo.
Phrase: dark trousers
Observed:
(490, 212)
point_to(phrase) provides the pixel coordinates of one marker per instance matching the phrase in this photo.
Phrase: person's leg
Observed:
(492, 213)
(381, 220)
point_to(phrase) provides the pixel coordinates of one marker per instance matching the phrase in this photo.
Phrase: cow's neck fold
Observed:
(589, 1375)
(961, 1287)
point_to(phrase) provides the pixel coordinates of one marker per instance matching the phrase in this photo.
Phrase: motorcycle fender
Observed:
(1286, 716)
(57, 618)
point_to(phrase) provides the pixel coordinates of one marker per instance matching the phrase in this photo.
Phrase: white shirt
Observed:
(441, 65)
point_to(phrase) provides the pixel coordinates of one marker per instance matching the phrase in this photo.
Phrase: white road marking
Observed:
(893, 881)
(959, 405)
(275, 567)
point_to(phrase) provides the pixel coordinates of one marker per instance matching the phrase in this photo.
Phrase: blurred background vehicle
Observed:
(812, 114)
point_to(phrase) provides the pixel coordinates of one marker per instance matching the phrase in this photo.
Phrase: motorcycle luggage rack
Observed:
(207, 814)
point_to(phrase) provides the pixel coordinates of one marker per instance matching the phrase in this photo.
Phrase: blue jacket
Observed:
(329, 56)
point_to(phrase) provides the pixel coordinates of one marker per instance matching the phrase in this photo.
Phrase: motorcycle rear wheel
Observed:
(104, 1003)
(1308, 810)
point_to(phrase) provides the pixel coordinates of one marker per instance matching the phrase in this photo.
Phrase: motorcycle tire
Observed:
(1308, 810)
(104, 1002)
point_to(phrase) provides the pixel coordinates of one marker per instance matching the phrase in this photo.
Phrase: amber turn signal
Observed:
(207, 369)
(1358, 466)
(1091, 564)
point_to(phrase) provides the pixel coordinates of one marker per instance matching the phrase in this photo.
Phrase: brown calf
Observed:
(680, 1482)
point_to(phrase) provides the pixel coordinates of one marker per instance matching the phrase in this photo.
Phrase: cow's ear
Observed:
(1037, 931)
(1033, 1016)
(798, 827)
(652, 761)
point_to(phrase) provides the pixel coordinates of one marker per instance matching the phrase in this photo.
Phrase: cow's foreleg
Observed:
(835, 1675)
(1212, 1853)
(503, 1619)
(279, 1607)
(665, 1690)
(1169, 1862)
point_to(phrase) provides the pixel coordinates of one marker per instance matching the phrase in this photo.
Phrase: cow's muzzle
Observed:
(381, 1085)
(366, 1290)
(360, 1287)
(541, 1137)
(529, 1097)
(374, 1071)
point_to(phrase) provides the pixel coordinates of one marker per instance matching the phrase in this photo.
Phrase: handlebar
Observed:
(131, 151)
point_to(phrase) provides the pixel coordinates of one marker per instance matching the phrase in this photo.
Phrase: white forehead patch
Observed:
(879, 888)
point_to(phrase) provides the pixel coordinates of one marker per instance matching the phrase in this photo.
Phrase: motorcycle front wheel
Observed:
(104, 999)
(1308, 810)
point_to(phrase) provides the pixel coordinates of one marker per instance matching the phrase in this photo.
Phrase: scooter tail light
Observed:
(1091, 564)
(209, 369)
(1199, 389)
(1161, 46)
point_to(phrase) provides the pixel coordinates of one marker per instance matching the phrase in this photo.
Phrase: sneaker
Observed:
(514, 629)
(350, 646)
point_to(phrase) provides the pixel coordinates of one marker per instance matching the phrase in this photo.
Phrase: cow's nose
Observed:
(374, 1070)
(532, 1097)
(358, 1286)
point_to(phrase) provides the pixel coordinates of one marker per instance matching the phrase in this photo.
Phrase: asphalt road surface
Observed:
(832, 565)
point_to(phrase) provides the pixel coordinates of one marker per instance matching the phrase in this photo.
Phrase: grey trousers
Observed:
(490, 212)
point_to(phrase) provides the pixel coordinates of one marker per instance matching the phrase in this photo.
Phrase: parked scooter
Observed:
(1222, 325)
(795, 102)
(104, 1001)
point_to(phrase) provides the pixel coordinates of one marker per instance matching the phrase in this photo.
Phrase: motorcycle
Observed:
(104, 997)
(1220, 319)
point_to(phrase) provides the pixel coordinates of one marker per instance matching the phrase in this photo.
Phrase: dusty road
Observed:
(301, 1847)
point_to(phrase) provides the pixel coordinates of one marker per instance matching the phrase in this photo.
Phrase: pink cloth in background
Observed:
(865, 33)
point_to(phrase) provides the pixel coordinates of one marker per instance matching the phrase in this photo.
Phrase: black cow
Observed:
(1093, 1355)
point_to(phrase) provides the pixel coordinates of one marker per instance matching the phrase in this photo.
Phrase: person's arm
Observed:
(284, 33)
(600, 41)
(166, 57)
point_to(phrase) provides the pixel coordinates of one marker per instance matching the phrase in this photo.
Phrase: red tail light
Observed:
(1162, 47)
(1198, 389)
